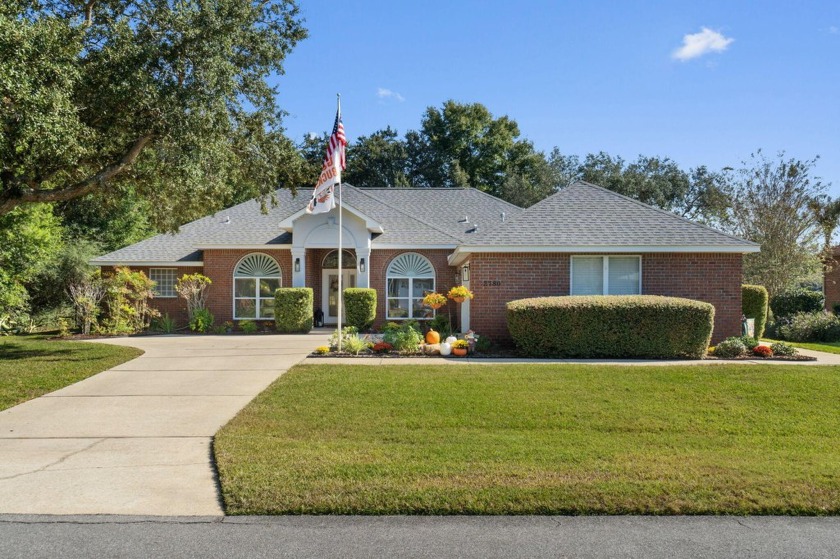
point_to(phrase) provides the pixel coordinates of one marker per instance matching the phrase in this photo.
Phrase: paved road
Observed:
(136, 439)
(462, 537)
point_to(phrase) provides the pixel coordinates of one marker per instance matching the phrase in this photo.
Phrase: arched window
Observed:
(410, 276)
(255, 279)
(348, 260)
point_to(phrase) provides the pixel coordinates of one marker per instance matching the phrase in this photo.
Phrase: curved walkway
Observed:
(136, 439)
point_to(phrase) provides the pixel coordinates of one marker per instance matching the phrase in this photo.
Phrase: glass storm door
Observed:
(330, 293)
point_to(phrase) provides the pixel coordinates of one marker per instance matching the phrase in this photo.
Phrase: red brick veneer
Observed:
(444, 279)
(831, 285)
(219, 265)
(497, 278)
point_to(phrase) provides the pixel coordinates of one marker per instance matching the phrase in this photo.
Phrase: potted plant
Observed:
(459, 348)
(434, 300)
(459, 294)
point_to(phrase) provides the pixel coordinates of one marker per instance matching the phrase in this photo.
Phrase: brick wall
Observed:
(219, 265)
(496, 279)
(444, 279)
(175, 307)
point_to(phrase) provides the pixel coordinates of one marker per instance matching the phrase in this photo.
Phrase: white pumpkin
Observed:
(445, 348)
(451, 339)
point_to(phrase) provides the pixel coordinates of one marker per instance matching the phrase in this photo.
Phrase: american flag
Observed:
(323, 199)
(337, 142)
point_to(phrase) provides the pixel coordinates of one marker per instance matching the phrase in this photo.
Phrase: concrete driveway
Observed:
(136, 439)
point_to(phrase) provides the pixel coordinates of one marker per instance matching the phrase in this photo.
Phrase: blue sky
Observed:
(584, 76)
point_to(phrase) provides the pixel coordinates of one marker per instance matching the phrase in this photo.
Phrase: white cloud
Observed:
(698, 44)
(383, 93)
(313, 135)
(834, 30)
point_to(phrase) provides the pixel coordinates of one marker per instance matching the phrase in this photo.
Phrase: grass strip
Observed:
(31, 366)
(547, 439)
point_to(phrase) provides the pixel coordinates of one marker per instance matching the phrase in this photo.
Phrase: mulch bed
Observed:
(512, 355)
(757, 358)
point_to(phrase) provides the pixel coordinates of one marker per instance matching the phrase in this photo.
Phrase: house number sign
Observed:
(491, 283)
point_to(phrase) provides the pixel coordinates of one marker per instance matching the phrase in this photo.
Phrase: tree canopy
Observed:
(168, 99)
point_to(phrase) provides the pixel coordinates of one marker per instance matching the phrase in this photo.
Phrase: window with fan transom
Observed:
(255, 279)
(410, 276)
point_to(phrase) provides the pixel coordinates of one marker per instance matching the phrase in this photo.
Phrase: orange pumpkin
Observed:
(432, 337)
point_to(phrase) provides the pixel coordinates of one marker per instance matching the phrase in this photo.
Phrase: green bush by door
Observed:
(293, 309)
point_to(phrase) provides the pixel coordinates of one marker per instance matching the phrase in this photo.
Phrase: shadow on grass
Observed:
(11, 351)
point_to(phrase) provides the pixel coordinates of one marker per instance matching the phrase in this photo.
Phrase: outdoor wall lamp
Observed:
(465, 272)
(297, 264)
(362, 265)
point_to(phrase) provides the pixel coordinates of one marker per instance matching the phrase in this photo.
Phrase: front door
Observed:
(329, 291)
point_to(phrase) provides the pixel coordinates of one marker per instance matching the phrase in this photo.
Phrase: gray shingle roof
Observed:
(585, 215)
(408, 216)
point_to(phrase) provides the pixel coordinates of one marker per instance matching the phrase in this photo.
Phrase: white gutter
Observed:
(462, 252)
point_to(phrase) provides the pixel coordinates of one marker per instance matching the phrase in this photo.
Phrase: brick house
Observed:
(405, 242)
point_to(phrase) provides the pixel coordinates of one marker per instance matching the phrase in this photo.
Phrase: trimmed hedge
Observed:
(795, 301)
(360, 307)
(293, 309)
(754, 301)
(611, 326)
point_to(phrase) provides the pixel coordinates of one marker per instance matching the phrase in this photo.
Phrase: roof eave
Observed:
(463, 251)
(154, 263)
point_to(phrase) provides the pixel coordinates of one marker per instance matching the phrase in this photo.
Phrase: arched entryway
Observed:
(329, 281)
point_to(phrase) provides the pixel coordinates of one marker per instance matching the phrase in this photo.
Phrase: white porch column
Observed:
(299, 267)
(465, 306)
(363, 279)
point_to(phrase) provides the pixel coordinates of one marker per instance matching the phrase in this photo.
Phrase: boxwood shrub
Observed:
(293, 309)
(611, 326)
(360, 307)
(754, 305)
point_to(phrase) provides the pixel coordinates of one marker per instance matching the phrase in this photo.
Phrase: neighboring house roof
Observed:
(408, 217)
(589, 218)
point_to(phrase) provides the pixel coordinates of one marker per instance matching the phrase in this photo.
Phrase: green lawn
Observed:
(828, 347)
(33, 365)
(537, 439)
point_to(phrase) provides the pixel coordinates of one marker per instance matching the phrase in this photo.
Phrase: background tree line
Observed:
(125, 118)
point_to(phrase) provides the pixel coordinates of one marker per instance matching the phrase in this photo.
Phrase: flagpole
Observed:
(340, 253)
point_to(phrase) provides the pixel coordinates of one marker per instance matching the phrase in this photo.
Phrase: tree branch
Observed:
(11, 199)
(89, 13)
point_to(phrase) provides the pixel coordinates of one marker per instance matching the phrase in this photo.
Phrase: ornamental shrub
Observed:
(762, 351)
(811, 327)
(347, 333)
(612, 326)
(293, 309)
(785, 305)
(201, 321)
(754, 303)
(248, 326)
(781, 348)
(360, 307)
(404, 337)
(749, 343)
(730, 347)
